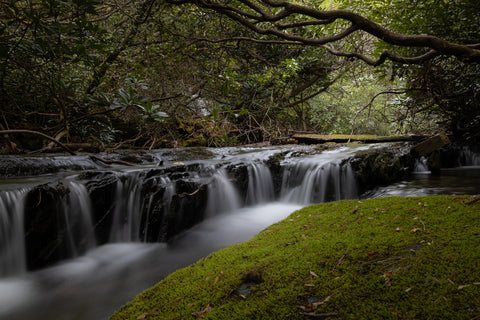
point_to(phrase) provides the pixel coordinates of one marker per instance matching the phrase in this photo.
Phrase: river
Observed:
(94, 284)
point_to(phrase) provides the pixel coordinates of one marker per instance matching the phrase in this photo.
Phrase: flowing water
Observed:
(97, 279)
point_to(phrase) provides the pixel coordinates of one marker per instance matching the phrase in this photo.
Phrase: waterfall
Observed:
(312, 182)
(421, 165)
(260, 184)
(146, 205)
(77, 210)
(128, 209)
(468, 157)
(168, 193)
(12, 243)
(222, 195)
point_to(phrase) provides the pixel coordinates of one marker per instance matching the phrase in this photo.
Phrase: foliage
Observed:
(383, 258)
(449, 88)
(151, 74)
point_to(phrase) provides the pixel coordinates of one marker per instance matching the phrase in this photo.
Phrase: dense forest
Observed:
(149, 74)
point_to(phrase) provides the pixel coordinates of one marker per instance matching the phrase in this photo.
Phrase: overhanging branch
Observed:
(257, 16)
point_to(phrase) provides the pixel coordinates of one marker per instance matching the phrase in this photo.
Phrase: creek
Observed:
(80, 238)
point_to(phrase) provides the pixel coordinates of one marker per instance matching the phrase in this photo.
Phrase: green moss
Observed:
(389, 258)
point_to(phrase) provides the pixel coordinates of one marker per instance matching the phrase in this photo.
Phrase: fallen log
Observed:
(311, 138)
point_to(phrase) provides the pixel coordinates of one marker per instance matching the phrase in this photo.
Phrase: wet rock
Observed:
(102, 189)
(382, 166)
(187, 208)
(44, 223)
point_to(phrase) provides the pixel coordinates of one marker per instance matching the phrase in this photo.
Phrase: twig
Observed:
(42, 135)
(339, 262)
(477, 198)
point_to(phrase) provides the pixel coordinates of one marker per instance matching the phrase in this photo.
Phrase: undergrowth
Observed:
(388, 258)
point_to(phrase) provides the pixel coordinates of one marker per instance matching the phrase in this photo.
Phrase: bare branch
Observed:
(369, 104)
(39, 134)
(254, 15)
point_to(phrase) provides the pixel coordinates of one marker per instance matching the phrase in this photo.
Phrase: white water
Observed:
(93, 286)
(222, 195)
(260, 184)
(12, 244)
(78, 219)
(319, 178)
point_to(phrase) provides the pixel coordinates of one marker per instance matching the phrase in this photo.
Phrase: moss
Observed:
(389, 258)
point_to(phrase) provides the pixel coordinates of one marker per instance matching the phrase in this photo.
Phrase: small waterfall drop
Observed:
(128, 209)
(169, 191)
(313, 182)
(77, 211)
(468, 157)
(12, 243)
(421, 166)
(222, 194)
(260, 184)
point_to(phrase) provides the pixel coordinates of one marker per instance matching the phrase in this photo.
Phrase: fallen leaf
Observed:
(313, 274)
(408, 289)
(355, 210)
(304, 236)
(309, 285)
(450, 281)
(388, 274)
(395, 217)
(216, 280)
(358, 220)
(415, 230)
(463, 286)
(374, 253)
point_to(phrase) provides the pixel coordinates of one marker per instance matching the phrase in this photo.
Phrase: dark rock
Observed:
(380, 167)
(102, 189)
(44, 223)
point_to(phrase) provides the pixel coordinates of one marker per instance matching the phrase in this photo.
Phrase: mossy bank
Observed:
(389, 258)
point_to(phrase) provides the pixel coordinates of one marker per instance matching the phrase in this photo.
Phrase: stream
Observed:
(105, 265)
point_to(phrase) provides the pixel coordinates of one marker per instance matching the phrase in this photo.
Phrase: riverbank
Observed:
(388, 258)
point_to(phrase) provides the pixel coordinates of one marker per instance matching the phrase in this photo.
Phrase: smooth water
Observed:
(94, 285)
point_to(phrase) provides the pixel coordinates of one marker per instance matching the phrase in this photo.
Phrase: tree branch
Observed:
(42, 135)
(254, 16)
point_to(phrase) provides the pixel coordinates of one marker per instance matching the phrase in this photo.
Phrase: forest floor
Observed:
(386, 258)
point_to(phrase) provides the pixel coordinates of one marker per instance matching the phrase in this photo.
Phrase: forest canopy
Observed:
(150, 74)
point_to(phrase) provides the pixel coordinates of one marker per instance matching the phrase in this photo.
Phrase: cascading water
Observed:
(318, 179)
(12, 243)
(77, 211)
(260, 184)
(128, 209)
(222, 195)
(318, 183)
(169, 192)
